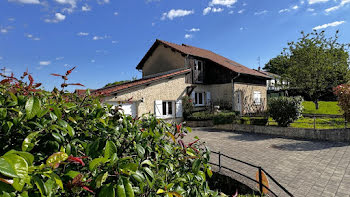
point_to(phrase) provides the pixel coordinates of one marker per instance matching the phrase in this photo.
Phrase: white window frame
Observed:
(196, 101)
(257, 97)
(167, 115)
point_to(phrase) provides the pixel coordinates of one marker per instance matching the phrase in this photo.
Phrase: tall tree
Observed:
(278, 65)
(316, 64)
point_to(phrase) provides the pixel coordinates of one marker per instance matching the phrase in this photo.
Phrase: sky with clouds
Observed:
(106, 39)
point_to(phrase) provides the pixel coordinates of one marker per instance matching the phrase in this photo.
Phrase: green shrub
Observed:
(199, 116)
(261, 121)
(58, 144)
(224, 118)
(285, 110)
(187, 106)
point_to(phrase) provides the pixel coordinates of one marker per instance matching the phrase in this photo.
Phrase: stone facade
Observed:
(144, 97)
(162, 60)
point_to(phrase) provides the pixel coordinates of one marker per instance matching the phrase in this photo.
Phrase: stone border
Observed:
(335, 135)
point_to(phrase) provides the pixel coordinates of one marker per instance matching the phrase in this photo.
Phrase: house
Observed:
(171, 71)
(276, 86)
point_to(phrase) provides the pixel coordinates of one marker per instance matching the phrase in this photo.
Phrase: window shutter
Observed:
(208, 98)
(193, 97)
(158, 108)
(179, 108)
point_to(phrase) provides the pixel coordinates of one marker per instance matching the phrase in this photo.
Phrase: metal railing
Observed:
(261, 170)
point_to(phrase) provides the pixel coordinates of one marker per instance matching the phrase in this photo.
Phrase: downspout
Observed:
(233, 91)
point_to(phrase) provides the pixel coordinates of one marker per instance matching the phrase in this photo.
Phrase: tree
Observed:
(315, 64)
(278, 65)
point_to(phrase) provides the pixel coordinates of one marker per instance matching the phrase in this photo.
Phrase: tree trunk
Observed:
(316, 104)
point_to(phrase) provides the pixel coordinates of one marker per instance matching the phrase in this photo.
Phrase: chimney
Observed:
(259, 68)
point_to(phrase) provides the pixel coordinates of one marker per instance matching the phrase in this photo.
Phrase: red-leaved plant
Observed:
(343, 94)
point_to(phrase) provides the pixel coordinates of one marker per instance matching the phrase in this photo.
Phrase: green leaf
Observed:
(58, 137)
(110, 149)
(101, 179)
(107, 191)
(55, 159)
(128, 187)
(40, 185)
(70, 130)
(147, 162)
(168, 149)
(140, 150)
(57, 112)
(72, 174)
(57, 180)
(3, 113)
(6, 168)
(43, 112)
(196, 165)
(32, 107)
(27, 144)
(96, 162)
(149, 172)
(160, 191)
(19, 164)
(120, 189)
(138, 176)
(27, 156)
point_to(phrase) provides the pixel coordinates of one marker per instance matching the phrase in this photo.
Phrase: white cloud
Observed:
(114, 42)
(72, 3)
(176, 13)
(231, 12)
(59, 58)
(93, 61)
(83, 34)
(284, 10)
(342, 4)
(44, 63)
(3, 30)
(58, 18)
(102, 1)
(310, 10)
(217, 9)
(227, 3)
(206, 10)
(242, 28)
(241, 11)
(302, 2)
(317, 1)
(261, 12)
(26, 1)
(31, 37)
(86, 8)
(334, 24)
(194, 30)
(188, 36)
(116, 13)
(1, 58)
(295, 7)
(100, 37)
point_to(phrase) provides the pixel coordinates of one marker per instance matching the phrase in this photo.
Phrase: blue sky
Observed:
(106, 39)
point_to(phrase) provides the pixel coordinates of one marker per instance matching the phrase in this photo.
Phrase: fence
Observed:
(260, 170)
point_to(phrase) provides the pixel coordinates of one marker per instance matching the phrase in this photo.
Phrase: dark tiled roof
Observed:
(194, 51)
(144, 81)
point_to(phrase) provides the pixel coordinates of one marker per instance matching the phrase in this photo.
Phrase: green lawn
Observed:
(321, 123)
(325, 107)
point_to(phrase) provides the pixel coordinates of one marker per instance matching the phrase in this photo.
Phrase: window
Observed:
(199, 98)
(257, 97)
(167, 107)
(198, 71)
(198, 65)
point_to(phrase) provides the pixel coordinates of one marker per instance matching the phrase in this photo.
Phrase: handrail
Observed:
(261, 185)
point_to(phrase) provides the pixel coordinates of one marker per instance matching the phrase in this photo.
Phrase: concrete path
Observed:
(305, 168)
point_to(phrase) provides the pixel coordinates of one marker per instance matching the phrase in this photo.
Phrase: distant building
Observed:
(276, 86)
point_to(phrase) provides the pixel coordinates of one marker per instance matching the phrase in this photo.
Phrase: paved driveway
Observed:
(305, 168)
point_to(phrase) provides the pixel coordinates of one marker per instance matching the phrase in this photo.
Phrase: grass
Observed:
(325, 107)
(321, 123)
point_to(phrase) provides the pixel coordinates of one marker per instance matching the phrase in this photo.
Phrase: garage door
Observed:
(128, 108)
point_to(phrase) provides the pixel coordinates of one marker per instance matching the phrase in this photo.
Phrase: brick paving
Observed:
(305, 168)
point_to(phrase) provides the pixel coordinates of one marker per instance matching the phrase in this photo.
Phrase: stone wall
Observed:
(336, 135)
(145, 96)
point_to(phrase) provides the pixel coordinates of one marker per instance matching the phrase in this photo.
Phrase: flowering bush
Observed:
(285, 110)
(343, 94)
(59, 144)
(187, 106)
